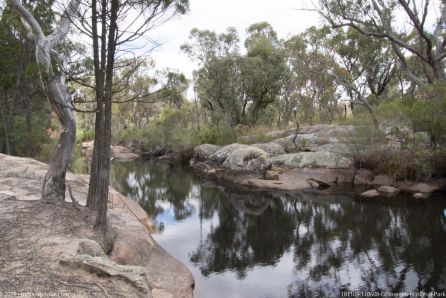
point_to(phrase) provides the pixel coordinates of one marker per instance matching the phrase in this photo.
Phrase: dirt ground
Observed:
(51, 250)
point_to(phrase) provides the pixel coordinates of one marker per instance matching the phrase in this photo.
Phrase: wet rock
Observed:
(201, 167)
(221, 154)
(363, 176)
(211, 172)
(388, 191)
(420, 195)
(373, 193)
(382, 180)
(271, 175)
(313, 160)
(247, 159)
(273, 149)
(323, 176)
(204, 151)
(285, 183)
(423, 188)
(313, 183)
(319, 182)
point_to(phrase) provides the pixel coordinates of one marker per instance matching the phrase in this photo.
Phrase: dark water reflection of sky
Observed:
(255, 245)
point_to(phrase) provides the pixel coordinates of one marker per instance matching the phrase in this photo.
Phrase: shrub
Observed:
(84, 135)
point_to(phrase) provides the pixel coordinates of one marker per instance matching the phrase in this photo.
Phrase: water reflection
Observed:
(296, 246)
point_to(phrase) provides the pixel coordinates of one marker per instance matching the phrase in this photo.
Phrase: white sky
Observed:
(217, 15)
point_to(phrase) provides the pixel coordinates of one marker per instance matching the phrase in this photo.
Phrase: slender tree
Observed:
(112, 35)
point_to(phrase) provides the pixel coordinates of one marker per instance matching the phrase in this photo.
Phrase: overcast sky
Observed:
(217, 15)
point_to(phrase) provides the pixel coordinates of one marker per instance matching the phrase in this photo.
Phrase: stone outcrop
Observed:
(221, 154)
(319, 158)
(247, 159)
(273, 149)
(204, 151)
(313, 160)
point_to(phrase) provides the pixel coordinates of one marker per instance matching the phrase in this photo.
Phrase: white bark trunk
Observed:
(53, 188)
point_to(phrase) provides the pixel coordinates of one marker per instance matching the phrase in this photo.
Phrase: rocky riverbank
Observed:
(49, 249)
(320, 158)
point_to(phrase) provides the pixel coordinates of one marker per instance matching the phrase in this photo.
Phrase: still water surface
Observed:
(257, 245)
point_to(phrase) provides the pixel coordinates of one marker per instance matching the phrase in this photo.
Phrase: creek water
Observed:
(289, 245)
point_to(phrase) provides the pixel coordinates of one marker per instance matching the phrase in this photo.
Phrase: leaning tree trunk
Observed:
(56, 92)
(53, 188)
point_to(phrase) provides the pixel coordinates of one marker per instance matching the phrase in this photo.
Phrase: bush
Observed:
(428, 113)
(394, 149)
(84, 135)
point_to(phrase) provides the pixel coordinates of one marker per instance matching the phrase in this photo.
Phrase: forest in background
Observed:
(359, 69)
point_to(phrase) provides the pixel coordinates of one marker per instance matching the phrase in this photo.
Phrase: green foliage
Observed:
(428, 113)
(33, 142)
(79, 164)
(84, 135)
(176, 130)
(395, 149)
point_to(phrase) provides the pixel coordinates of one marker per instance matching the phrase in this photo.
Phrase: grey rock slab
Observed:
(247, 159)
(327, 160)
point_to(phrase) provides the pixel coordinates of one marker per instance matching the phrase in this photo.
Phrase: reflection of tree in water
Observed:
(367, 246)
(148, 183)
(242, 239)
(337, 243)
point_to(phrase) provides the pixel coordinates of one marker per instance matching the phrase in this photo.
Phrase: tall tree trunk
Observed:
(3, 115)
(99, 54)
(100, 175)
(53, 188)
(101, 219)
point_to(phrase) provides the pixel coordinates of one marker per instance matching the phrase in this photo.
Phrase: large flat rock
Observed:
(21, 180)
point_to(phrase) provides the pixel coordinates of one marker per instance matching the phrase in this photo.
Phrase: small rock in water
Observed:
(211, 171)
(423, 188)
(422, 195)
(313, 183)
(370, 194)
(388, 191)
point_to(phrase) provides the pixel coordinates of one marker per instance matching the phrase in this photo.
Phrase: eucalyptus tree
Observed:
(53, 79)
(264, 71)
(24, 115)
(313, 66)
(366, 67)
(382, 19)
(217, 81)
